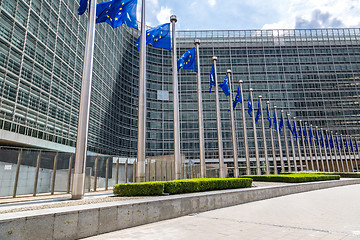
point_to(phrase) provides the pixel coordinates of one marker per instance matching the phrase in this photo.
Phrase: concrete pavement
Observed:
(323, 214)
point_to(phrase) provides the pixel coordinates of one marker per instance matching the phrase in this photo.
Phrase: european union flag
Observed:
(212, 78)
(117, 12)
(294, 131)
(281, 124)
(158, 37)
(225, 86)
(341, 143)
(310, 134)
(237, 98)
(83, 7)
(331, 142)
(321, 140)
(346, 145)
(316, 138)
(356, 146)
(300, 133)
(188, 60)
(305, 132)
(258, 113)
(351, 146)
(275, 121)
(289, 125)
(337, 143)
(326, 141)
(268, 116)
(250, 108)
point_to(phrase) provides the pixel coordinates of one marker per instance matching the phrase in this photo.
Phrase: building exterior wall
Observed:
(312, 74)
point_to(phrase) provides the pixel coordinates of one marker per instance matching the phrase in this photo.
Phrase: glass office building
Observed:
(311, 74)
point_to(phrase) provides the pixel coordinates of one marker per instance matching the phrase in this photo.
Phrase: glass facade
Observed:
(311, 74)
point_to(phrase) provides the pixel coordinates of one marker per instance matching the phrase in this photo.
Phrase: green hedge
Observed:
(205, 184)
(292, 178)
(342, 174)
(139, 189)
(180, 186)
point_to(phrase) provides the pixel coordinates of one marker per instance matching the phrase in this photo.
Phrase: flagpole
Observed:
(320, 150)
(272, 144)
(200, 112)
(298, 147)
(326, 156)
(247, 159)
(357, 165)
(351, 155)
(233, 133)
(340, 153)
(309, 146)
(267, 169)
(303, 145)
(292, 145)
(315, 152)
(349, 150)
(335, 152)
(84, 111)
(222, 170)
(356, 161)
(286, 145)
(330, 152)
(258, 171)
(279, 142)
(177, 148)
(140, 166)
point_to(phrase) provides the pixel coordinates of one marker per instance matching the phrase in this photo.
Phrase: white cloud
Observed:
(212, 3)
(164, 14)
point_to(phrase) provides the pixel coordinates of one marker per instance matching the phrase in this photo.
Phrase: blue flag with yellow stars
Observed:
(237, 98)
(294, 130)
(337, 143)
(326, 141)
(305, 133)
(268, 116)
(258, 113)
(275, 121)
(212, 78)
(331, 142)
(158, 37)
(281, 124)
(316, 138)
(225, 86)
(250, 108)
(310, 134)
(117, 12)
(356, 146)
(83, 7)
(300, 133)
(341, 143)
(346, 145)
(322, 140)
(188, 60)
(289, 126)
(351, 146)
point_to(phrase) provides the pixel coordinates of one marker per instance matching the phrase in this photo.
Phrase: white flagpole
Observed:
(310, 153)
(286, 145)
(84, 111)
(340, 153)
(330, 152)
(258, 171)
(292, 145)
(279, 141)
(298, 147)
(315, 152)
(326, 156)
(267, 171)
(320, 148)
(200, 112)
(222, 169)
(351, 162)
(247, 159)
(233, 131)
(303, 144)
(140, 166)
(272, 143)
(335, 152)
(177, 148)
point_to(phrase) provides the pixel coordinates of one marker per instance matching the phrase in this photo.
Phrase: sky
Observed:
(253, 14)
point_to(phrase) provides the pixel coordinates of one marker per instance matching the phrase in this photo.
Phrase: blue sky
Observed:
(253, 14)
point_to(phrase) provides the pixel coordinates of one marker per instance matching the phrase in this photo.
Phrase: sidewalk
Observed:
(323, 214)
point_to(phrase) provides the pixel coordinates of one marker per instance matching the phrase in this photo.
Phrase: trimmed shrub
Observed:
(180, 186)
(139, 189)
(292, 178)
(342, 174)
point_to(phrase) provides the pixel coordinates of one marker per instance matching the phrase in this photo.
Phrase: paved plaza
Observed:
(324, 214)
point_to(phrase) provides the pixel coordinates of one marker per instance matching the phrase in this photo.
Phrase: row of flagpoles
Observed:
(118, 12)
